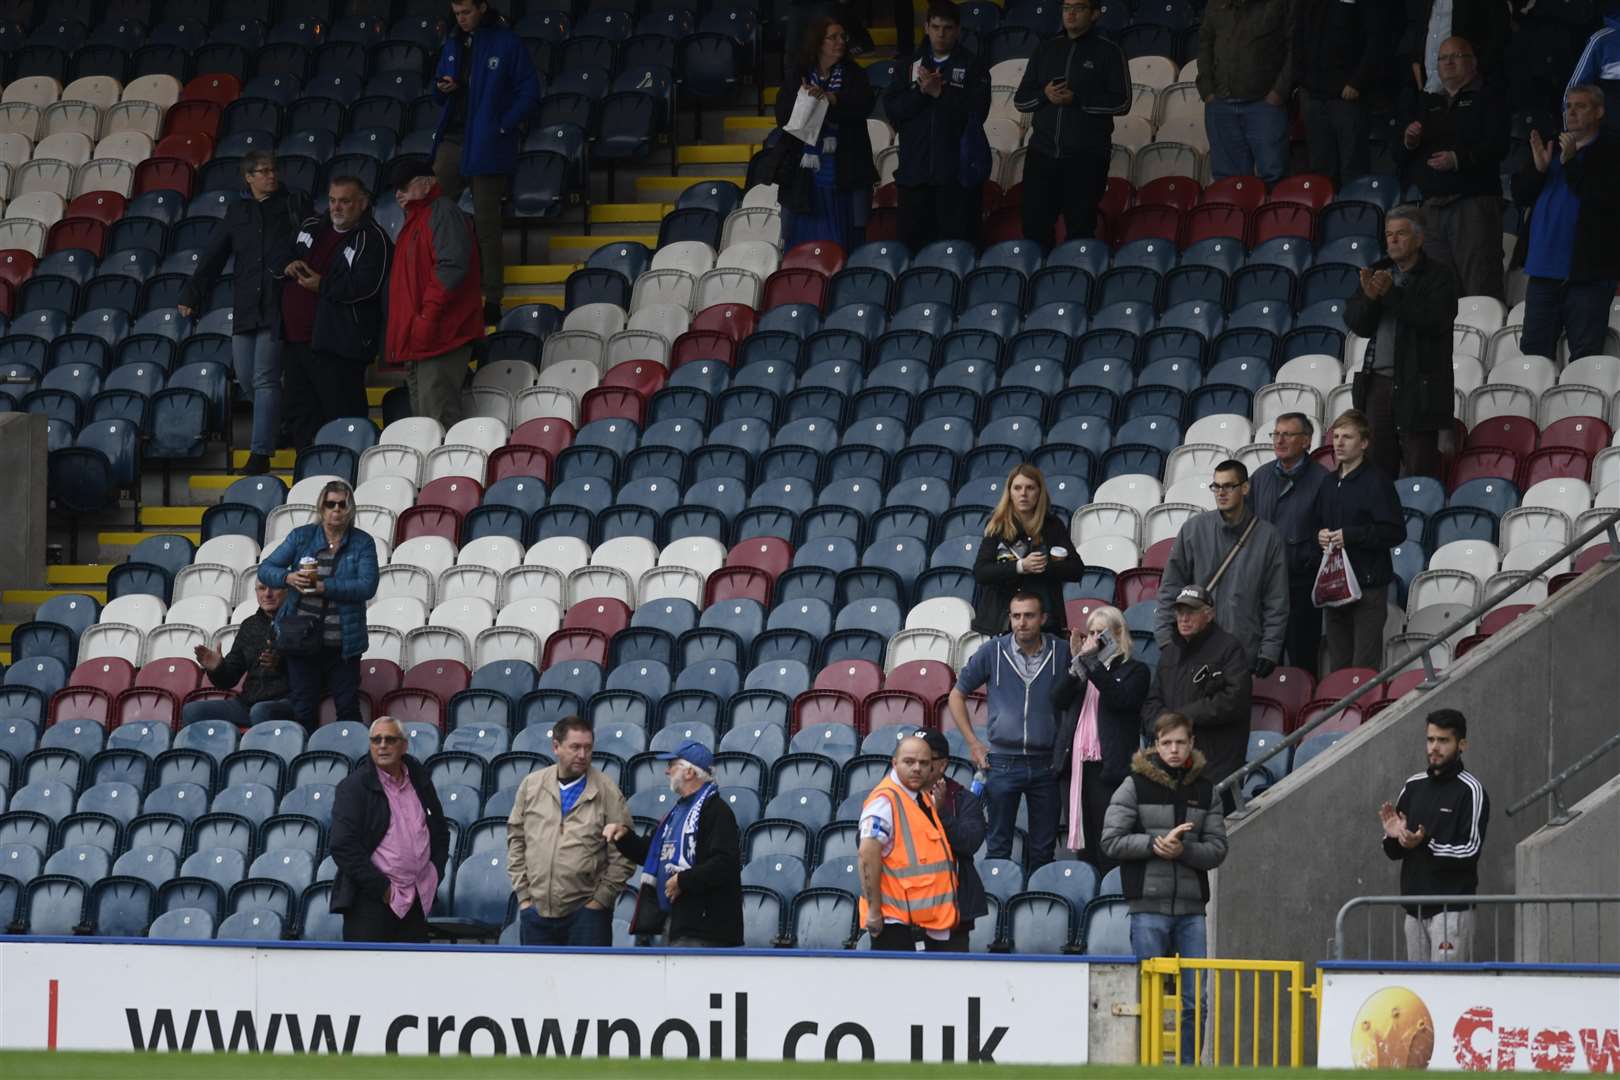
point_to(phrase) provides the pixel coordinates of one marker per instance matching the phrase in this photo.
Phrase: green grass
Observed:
(40, 1065)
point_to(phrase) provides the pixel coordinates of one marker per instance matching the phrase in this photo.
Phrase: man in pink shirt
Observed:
(390, 843)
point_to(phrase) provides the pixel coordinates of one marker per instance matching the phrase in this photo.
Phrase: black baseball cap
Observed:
(938, 745)
(407, 170)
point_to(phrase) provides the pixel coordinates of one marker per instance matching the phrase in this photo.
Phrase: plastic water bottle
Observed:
(977, 787)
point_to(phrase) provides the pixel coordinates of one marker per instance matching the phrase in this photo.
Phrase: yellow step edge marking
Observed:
(82, 574)
(6, 631)
(608, 213)
(281, 459)
(130, 539)
(221, 481)
(172, 515)
(541, 273)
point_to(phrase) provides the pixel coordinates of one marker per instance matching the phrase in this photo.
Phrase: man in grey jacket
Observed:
(1251, 594)
(1283, 492)
(1165, 828)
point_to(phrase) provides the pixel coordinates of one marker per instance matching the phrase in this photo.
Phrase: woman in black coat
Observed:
(825, 190)
(1025, 549)
(1105, 680)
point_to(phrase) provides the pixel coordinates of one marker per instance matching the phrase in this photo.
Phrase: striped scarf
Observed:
(832, 84)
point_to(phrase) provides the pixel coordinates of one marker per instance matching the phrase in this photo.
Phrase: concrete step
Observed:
(744, 129)
(579, 248)
(623, 214)
(94, 574)
(669, 188)
(281, 459)
(171, 517)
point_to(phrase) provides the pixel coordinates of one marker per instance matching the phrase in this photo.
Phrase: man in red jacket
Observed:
(435, 304)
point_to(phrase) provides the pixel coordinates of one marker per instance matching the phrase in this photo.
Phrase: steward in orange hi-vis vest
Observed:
(919, 873)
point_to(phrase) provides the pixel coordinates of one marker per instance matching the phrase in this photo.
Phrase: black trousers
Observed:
(1304, 638)
(898, 937)
(1398, 453)
(369, 919)
(1070, 187)
(317, 387)
(1094, 798)
(905, 30)
(930, 212)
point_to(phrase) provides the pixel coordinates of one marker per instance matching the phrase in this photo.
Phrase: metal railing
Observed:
(1255, 1017)
(1563, 815)
(1232, 786)
(1532, 938)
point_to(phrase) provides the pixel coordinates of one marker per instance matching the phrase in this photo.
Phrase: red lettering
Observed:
(1479, 1018)
(1509, 1041)
(1601, 1056)
(1553, 1051)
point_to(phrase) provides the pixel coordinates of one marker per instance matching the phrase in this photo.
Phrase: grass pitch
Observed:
(44, 1065)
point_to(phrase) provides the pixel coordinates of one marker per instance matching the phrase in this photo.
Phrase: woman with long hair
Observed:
(1100, 701)
(825, 187)
(1025, 549)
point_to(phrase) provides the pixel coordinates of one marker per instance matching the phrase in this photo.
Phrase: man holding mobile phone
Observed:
(1073, 87)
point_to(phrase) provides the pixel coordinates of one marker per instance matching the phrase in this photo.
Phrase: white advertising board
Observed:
(1472, 1021)
(113, 996)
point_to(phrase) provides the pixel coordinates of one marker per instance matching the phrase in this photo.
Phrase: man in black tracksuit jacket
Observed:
(1435, 829)
(947, 94)
(1073, 87)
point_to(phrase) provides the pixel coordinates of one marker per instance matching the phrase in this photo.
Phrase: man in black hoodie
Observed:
(1435, 829)
(253, 661)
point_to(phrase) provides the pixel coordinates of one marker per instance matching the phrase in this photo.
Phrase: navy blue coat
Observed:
(503, 92)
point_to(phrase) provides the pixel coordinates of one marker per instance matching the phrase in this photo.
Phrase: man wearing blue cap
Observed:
(691, 865)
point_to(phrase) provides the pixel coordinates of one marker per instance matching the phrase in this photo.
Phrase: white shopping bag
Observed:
(805, 122)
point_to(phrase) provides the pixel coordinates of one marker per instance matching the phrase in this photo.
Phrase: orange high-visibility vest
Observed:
(919, 873)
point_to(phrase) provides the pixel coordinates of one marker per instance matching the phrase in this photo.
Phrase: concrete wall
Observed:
(22, 500)
(1538, 695)
(1581, 856)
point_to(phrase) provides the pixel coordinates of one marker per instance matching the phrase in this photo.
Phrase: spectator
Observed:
(826, 190)
(1436, 829)
(943, 103)
(1283, 492)
(321, 628)
(904, 14)
(1204, 676)
(908, 889)
(1451, 150)
(253, 662)
(1357, 510)
(1245, 74)
(1239, 557)
(961, 815)
(1573, 241)
(390, 842)
(1430, 23)
(333, 317)
(565, 875)
(1101, 702)
(1021, 668)
(1025, 549)
(692, 862)
(1166, 830)
(257, 231)
(1405, 308)
(433, 314)
(1074, 86)
(1599, 64)
(1337, 51)
(488, 86)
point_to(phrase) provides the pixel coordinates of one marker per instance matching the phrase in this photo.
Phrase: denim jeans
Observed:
(256, 360)
(1174, 935)
(1578, 309)
(340, 676)
(1011, 776)
(581, 927)
(233, 711)
(1247, 138)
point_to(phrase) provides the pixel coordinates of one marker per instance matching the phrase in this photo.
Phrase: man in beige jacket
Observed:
(565, 875)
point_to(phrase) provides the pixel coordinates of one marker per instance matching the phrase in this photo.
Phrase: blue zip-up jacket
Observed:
(503, 92)
(1023, 719)
(353, 580)
(1600, 60)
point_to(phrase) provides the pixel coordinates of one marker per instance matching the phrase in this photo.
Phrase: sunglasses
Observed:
(333, 504)
(385, 740)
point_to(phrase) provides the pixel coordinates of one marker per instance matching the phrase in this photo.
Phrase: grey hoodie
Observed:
(1251, 599)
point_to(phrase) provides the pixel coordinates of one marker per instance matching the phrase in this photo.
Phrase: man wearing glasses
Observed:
(259, 231)
(390, 842)
(1282, 492)
(1238, 557)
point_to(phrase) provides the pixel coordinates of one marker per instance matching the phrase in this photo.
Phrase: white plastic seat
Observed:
(635, 555)
(752, 223)
(513, 376)
(22, 118)
(40, 90)
(469, 581)
(447, 460)
(950, 614)
(498, 553)
(283, 520)
(392, 461)
(701, 553)
(206, 579)
(1116, 553)
(1317, 370)
(1529, 590)
(1561, 402)
(487, 403)
(600, 318)
(759, 257)
(1136, 490)
(72, 148)
(1534, 373)
(538, 616)
(668, 321)
(629, 345)
(469, 614)
(401, 613)
(235, 551)
(1004, 134)
(104, 174)
(761, 195)
(1105, 519)
(308, 490)
(1478, 557)
(436, 643)
(572, 346)
(1155, 71)
(1605, 469)
(377, 521)
(1156, 160)
(392, 492)
(658, 287)
(434, 554)
(164, 90)
(1227, 430)
(528, 582)
(1503, 345)
(887, 161)
(1467, 373)
(546, 402)
(693, 256)
(1193, 490)
(1452, 587)
(403, 579)
(24, 234)
(133, 147)
(179, 639)
(920, 643)
(670, 583)
(1180, 99)
(145, 117)
(577, 377)
(1528, 524)
(42, 207)
(208, 612)
(102, 91)
(1602, 372)
(76, 116)
(384, 643)
(136, 609)
(111, 639)
(727, 286)
(420, 433)
(1164, 521)
(1532, 553)
(1274, 399)
(1485, 313)
(506, 643)
(1573, 497)
(564, 554)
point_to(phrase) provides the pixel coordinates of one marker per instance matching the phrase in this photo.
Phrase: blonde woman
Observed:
(1025, 549)
(1092, 754)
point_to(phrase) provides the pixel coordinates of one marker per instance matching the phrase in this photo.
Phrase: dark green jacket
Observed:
(1245, 49)
(1424, 309)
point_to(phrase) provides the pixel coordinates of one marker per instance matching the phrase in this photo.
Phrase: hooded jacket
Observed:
(1150, 803)
(1365, 506)
(260, 235)
(435, 297)
(929, 128)
(353, 582)
(1424, 309)
(1023, 719)
(1206, 679)
(1245, 49)
(1098, 75)
(1251, 599)
(503, 92)
(998, 577)
(360, 819)
(1451, 806)
(348, 313)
